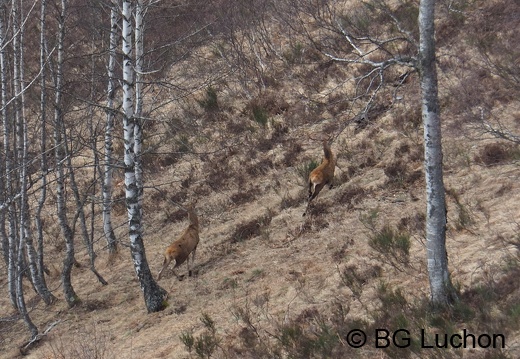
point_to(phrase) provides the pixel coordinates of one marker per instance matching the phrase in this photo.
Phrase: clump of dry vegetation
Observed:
(497, 153)
(252, 228)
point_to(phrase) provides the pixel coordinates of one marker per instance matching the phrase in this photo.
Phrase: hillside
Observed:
(268, 281)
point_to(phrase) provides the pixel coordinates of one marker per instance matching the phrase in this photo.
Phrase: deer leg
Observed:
(317, 189)
(192, 261)
(165, 265)
(312, 194)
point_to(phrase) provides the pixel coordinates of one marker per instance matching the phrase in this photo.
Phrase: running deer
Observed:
(321, 175)
(180, 250)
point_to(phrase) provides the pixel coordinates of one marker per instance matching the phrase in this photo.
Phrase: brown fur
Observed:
(180, 250)
(321, 175)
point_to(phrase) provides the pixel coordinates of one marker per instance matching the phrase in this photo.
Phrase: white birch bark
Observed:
(25, 236)
(25, 229)
(59, 143)
(109, 128)
(442, 291)
(138, 112)
(43, 144)
(128, 111)
(4, 240)
(9, 153)
(21, 155)
(154, 295)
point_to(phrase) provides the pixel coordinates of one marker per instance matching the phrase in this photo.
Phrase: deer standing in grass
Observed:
(321, 175)
(180, 250)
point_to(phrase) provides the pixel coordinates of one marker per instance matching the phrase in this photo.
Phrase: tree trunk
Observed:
(154, 295)
(138, 111)
(9, 153)
(43, 145)
(25, 230)
(110, 112)
(80, 212)
(3, 193)
(442, 291)
(90, 192)
(20, 299)
(22, 159)
(25, 240)
(59, 128)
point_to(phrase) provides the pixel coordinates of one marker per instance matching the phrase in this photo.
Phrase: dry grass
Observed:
(270, 282)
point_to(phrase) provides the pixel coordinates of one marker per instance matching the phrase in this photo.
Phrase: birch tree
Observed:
(80, 202)
(24, 242)
(109, 128)
(43, 149)
(442, 290)
(59, 145)
(25, 228)
(3, 193)
(7, 140)
(82, 198)
(379, 38)
(154, 295)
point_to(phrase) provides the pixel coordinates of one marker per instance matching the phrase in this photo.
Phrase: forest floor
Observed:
(268, 280)
(291, 266)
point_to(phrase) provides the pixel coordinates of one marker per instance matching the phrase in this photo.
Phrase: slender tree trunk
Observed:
(16, 113)
(25, 222)
(138, 111)
(93, 217)
(80, 202)
(154, 295)
(21, 144)
(9, 153)
(442, 291)
(25, 230)
(88, 238)
(43, 144)
(25, 239)
(20, 299)
(4, 240)
(109, 128)
(80, 212)
(59, 143)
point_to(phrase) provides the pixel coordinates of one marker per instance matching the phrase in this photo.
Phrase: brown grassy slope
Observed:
(292, 264)
(292, 272)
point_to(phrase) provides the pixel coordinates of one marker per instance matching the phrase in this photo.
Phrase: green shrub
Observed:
(305, 169)
(205, 344)
(260, 115)
(393, 246)
(210, 101)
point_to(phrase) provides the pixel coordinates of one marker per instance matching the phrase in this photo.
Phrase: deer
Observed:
(323, 174)
(179, 251)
